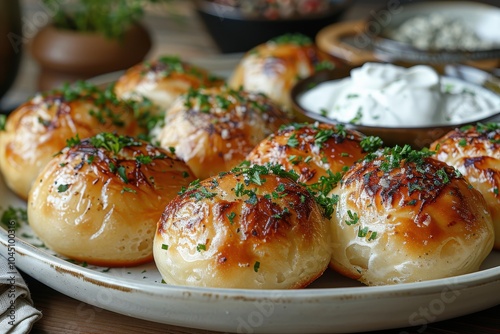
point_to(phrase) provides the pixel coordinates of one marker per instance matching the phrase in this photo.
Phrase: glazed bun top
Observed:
(100, 198)
(162, 81)
(403, 216)
(475, 152)
(213, 129)
(40, 127)
(469, 142)
(275, 67)
(253, 227)
(314, 150)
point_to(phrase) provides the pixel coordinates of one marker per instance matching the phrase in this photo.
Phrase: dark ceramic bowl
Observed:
(10, 43)
(234, 31)
(417, 137)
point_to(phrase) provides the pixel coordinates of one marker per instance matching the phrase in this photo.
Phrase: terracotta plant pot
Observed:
(66, 55)
(10, 52)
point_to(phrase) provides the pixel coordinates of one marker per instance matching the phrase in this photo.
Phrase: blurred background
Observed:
(218, 30)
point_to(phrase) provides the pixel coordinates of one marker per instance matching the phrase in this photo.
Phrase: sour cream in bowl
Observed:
(401, 105)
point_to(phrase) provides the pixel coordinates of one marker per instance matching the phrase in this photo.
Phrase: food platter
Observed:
(333, 304)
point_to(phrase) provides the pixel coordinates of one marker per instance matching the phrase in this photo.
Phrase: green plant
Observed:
(108, 17)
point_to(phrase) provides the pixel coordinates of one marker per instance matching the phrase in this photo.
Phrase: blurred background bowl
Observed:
(417, 137)
(10, 43)
(239, 25)
(371, 39)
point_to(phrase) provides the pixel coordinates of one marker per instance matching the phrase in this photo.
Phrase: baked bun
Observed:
(249, 228)
(162, 81)
(404, 217)
(273, 68)
(213, 129)
(40, 127)
(100, 199)
(314, 150)
(475, 152)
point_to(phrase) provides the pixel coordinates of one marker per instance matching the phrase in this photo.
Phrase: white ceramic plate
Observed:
(331, 305)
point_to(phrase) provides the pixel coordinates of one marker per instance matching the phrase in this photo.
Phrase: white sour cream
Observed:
(387, 95)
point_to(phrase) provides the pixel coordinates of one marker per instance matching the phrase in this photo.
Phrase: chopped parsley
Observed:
(371, 143)
(3, 122)
(362, 232)
(231, 217)
(62, 188)
(392, 157)
(256, 266)
(163, 246)
(122, 173)
(128, 190)
(144, 159)
(324, 65)
(112, 142)
(73, 141)
(353, 218)
(292, 141)
(292, 38)
(202, 193)
(201, 247)
(322, 136)
(357, 117)
(442, 175)
(13, 217)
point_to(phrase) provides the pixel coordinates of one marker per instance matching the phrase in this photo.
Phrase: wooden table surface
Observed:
(62, 314)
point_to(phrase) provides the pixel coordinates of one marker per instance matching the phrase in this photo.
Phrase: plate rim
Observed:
(483, 276)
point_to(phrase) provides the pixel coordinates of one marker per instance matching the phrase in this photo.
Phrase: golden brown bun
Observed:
(214, 129)
(97, 205)
(405, 220)
(475, 152)
(273, 68)
(38, 129)
(230, 232)
(162, 81)
(312, 150)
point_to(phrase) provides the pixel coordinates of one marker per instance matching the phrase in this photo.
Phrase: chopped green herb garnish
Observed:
(62, 188)
(353, 218)
(231, 217)
(13, 217)
(362, 232)
(292, 141)
(443, 176)
(201, 247)
(122, 173)
(3, 121)
(371, 143)
(144, 159)
(128, 190)
(73, 141)
(112, 142)
(292, 38)
(373, 236)
(163, 246)
(256, 266)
